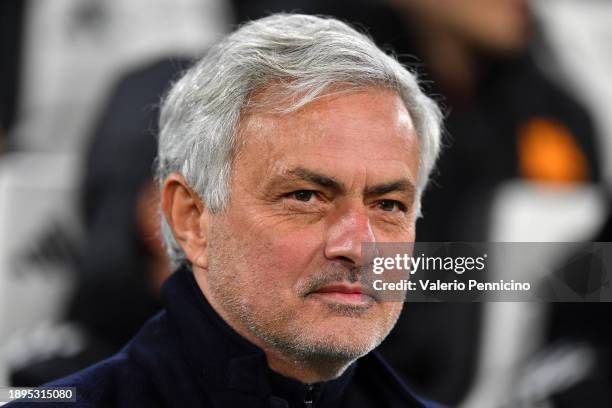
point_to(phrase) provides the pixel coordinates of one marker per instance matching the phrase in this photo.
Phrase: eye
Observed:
(302, 195)
(391, 205)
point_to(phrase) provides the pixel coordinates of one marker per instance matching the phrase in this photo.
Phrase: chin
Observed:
(344, 337)
(334, 350)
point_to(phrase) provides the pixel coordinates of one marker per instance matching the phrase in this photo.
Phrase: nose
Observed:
(346, 232)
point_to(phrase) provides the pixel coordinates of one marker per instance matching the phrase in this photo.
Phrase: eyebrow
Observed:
(318, 179)
(402, 185)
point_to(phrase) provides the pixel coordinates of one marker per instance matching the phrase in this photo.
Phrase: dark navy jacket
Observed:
(187, 356)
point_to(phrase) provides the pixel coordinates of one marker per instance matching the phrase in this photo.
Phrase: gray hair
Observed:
(305, 55)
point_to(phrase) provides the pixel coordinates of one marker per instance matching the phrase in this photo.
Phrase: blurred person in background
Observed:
(122, 264)
(506, 119)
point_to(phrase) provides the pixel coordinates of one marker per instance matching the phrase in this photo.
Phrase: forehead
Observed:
(370, 128)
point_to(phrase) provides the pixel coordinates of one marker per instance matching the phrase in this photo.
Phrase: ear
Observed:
(187, 217)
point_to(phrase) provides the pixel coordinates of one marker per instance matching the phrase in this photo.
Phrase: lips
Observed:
(344, 293)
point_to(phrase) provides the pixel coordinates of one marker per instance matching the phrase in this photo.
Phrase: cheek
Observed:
(276, 259)
(290, 258)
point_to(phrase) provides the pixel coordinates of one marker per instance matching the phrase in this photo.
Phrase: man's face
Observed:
(307, 189)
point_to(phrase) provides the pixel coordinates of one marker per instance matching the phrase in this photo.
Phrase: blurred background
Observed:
(526, 88)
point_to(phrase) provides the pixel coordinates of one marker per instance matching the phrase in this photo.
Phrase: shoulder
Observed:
(117, 381)
(123, 380)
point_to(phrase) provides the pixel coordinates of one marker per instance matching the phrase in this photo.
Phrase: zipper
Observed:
(309, 397)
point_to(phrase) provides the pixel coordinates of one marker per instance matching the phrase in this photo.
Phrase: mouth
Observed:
(343, 294)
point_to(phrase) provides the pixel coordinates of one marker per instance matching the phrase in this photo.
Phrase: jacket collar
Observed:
(226, 361)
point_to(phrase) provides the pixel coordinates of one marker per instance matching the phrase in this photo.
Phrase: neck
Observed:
(307, 371)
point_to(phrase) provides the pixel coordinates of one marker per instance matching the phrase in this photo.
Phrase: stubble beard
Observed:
(279, 328)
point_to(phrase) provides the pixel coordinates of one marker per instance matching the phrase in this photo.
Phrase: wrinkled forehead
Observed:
(342, 134)
(276, 105)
